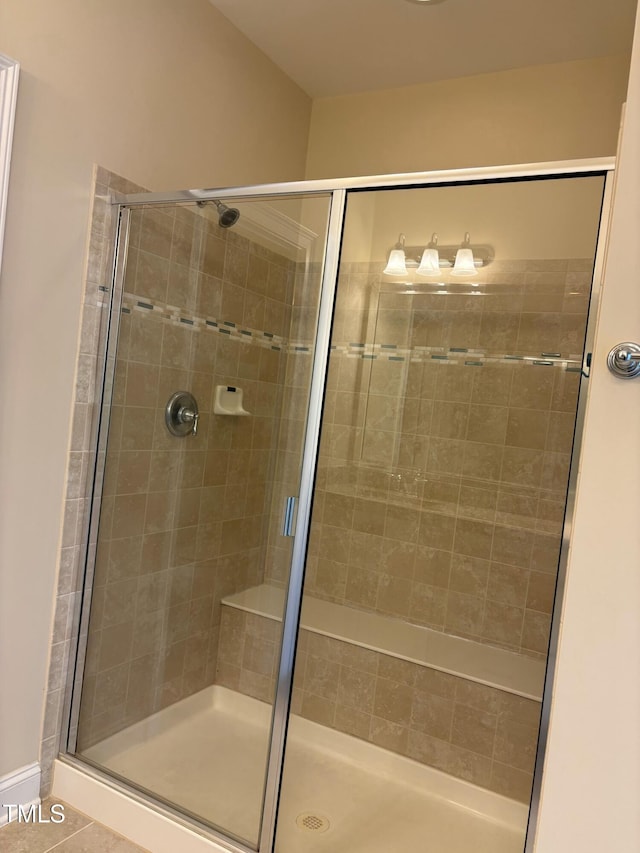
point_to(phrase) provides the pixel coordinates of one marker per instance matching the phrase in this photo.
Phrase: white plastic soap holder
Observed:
(228, 401)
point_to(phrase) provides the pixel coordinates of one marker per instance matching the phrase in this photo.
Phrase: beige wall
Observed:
(550, 112)
(170, 95)
(541, 219)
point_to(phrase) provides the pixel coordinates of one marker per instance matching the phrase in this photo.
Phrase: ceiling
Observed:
(337, 47)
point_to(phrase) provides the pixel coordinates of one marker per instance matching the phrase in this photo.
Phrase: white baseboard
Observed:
(125, 815)
(21, 788)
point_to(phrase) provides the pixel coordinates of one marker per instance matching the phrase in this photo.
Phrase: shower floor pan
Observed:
(207, 755)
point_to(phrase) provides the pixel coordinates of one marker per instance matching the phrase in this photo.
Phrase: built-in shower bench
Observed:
(494, 667)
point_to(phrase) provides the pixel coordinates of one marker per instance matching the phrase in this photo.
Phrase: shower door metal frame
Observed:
(570, 505)
(338, 190)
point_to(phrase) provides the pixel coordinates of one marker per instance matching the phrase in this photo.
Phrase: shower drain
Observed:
(312, 822)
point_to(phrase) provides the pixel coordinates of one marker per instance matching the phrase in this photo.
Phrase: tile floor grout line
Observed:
(73, 834)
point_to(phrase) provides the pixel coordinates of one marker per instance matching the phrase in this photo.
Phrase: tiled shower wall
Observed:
(250, 668)
(469, 730)
(297, 382)
(183, 520)
(81, 462)
(442, 474)
(442, 478)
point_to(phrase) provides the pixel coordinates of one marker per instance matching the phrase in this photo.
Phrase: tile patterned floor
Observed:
(77, 834)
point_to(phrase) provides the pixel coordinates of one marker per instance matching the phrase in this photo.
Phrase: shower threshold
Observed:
(207, 755)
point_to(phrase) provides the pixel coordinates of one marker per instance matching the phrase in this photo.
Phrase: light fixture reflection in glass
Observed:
(464, 264)
(430, 261)
(396, 264)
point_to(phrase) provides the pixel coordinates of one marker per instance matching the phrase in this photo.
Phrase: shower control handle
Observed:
(189, 416)
(624, 360)
(181, 414)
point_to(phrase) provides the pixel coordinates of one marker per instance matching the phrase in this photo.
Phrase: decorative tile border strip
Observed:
(453, 355)
(177, 317)
(468, 357)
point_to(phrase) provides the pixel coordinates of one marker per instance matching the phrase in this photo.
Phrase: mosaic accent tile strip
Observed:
(454, 355)
(353, 349)
(178, 317)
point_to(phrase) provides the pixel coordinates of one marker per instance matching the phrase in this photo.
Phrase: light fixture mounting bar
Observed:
(481, 252)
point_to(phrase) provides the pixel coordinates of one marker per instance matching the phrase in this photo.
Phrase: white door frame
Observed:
(590, 798)
(9, 71)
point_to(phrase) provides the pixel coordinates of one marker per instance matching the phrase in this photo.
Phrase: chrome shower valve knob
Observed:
(181, 414)
(189, 416)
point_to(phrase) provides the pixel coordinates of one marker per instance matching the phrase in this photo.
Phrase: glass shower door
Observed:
(206, 423)
(438, 515)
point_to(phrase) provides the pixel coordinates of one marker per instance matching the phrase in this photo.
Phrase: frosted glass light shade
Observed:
(464, 263)
(429, 263)
(396, 264)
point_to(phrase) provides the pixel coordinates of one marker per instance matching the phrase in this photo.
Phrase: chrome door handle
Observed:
(289, 515)
(624, 360)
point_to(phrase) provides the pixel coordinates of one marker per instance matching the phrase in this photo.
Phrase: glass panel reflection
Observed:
(180, 676)
(437, 519)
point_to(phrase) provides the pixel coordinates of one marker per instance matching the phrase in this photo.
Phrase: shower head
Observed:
(227, 216)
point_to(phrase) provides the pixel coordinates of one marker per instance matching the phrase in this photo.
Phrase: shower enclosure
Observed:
(331, 494)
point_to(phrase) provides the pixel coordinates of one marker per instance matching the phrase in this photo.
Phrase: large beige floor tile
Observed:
(41, 837)
(97, 839)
